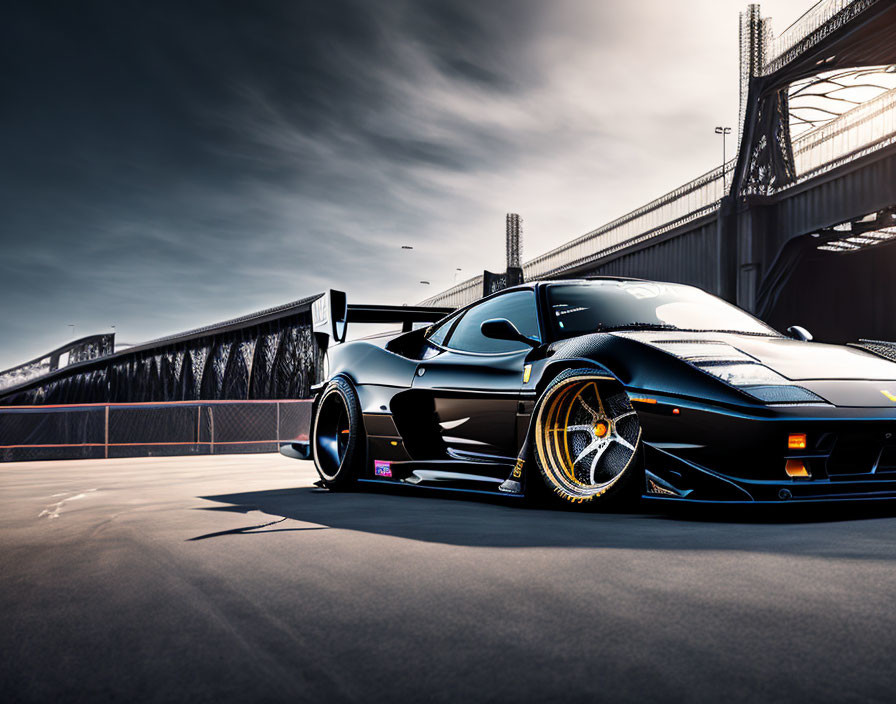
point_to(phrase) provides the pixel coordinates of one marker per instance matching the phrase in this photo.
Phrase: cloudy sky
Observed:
(170, 164)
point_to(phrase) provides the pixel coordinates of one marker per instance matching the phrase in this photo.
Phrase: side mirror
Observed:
(503, 329)
(799, 333)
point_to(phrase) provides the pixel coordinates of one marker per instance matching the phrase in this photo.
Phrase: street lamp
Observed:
(724, 131)
(72, 326)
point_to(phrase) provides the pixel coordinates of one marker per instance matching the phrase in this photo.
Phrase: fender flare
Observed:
(556, 366)
(577, 353)
(318, 389)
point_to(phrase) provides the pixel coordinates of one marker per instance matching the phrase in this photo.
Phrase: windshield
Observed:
(581, 308)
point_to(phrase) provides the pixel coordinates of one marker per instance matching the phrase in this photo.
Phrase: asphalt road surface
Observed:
(232, 578)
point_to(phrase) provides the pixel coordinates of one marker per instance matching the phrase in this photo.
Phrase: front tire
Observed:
(587, 438)
(337, 437)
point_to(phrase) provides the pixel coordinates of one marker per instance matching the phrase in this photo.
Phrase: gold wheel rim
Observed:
(574, 432)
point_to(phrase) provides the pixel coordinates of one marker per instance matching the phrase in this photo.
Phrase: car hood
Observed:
(794, 359)
(843, 375)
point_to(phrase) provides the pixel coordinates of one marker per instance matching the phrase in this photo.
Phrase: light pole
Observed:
(72, 326)
(456, 272)
(724, 131)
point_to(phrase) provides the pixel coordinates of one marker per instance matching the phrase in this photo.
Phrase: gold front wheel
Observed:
(586, 435)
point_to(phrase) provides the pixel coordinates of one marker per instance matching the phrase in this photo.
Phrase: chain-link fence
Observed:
(93, 431)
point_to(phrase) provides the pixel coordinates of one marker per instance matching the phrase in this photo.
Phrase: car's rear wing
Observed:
(332, 313)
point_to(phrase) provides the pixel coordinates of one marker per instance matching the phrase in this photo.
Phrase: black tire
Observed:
(337, 437)
(586, 415)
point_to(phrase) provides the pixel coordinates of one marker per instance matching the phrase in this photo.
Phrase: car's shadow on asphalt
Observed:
(456, 520)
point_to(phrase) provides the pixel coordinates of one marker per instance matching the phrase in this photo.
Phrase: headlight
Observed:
(761, 382)
(784, 394)
(742, 373)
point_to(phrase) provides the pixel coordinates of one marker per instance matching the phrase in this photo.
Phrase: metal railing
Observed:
(687, 203)
(813, 26)
(458, 295)
(862, 130)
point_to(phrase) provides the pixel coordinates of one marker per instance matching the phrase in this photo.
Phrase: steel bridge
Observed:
(796, 227)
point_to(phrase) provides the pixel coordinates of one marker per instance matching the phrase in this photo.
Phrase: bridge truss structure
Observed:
(269, 355)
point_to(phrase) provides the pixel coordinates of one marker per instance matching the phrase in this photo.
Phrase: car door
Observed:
(475, 381)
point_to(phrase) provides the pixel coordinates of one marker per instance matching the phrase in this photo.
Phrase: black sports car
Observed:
(586, 387)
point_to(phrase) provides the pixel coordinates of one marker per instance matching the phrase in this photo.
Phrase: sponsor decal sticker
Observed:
(382, 469)
(518, 469)
(890, 396)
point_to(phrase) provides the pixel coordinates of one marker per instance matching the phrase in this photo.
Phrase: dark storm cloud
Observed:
(151, 150)
(170, 164)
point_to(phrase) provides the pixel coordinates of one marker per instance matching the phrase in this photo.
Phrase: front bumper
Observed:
(704, 455)
(673, 480)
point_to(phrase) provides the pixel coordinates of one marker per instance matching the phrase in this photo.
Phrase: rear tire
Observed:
(337, 438)
(587, 440)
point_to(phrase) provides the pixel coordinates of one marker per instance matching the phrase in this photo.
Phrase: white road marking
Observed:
(54, 510)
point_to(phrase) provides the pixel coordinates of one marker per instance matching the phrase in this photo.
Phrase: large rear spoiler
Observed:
(331, 314)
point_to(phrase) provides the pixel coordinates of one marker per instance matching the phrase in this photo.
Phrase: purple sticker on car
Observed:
(382, 469)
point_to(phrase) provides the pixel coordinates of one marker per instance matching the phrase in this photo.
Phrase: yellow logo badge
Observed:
(889, 396)
(527, 372)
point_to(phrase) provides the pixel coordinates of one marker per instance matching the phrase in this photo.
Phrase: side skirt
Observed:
(446, 475)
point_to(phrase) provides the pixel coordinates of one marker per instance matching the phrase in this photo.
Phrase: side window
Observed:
(518, 307)
(437, 336)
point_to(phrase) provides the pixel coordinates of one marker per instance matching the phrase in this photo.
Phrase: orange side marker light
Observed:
(796, 441)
